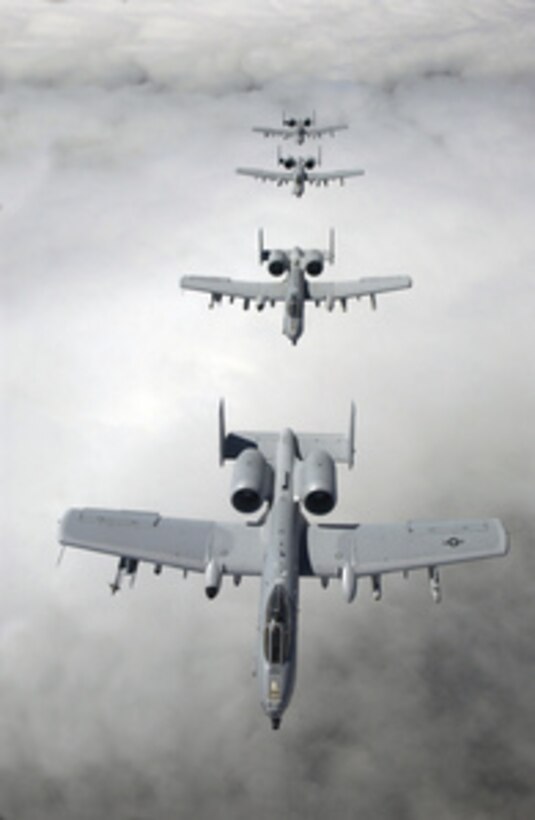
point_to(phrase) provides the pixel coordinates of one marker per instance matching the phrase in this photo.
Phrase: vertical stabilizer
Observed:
(222, 433)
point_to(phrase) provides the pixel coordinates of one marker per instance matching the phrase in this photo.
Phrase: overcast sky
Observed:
(121, 124)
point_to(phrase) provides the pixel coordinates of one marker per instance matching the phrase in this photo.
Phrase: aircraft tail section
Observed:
(339, 446)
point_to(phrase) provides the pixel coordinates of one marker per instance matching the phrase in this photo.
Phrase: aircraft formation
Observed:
(281, 478)
(296, 271)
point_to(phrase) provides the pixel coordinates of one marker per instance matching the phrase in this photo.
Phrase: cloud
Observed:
(246, 45)
(121, 133)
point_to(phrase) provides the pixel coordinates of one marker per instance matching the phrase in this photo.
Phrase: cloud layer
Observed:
(244, 44)
(120, 133)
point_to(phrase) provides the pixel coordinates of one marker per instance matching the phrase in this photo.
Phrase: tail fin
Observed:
(263, 254)
(329, 256)
(341, 448)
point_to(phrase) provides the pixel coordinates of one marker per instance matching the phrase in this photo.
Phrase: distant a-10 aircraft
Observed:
(299, 171)
(296, 270)
(286, 474)
(299, 129)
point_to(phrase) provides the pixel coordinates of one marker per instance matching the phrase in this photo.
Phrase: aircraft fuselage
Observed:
(300, 177)
(294, 303)
(277, 622)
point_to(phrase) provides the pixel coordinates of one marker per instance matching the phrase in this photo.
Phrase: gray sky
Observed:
(120, 129)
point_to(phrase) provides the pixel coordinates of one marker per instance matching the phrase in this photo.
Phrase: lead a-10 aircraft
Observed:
(287, 473)
(299, 129)
(299, 171)
(299, 268)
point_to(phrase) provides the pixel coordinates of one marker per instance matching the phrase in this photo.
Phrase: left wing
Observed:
(371, 549)
(280, 177)
(331, 292)
(273, 132)
(176, 542)
(260, 292)
(324, 177)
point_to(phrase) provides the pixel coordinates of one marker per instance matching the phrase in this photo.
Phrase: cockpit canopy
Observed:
(277, 632)
(293, 307)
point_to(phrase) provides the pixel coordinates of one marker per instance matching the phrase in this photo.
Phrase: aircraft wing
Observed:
(280, 177)
(331, 292)
(260, 292)
(324, 177)
(370, 549)
(325, 129)
(175, 542)
(273, 132)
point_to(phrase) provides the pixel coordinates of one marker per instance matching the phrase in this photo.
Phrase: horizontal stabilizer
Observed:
(340, 447)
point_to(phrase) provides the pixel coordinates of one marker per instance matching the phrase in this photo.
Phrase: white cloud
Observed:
(111, 188)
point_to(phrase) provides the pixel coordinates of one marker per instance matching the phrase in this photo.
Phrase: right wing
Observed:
(312, 131)
(184, 543)
(280, 177)
(261, 293)
(371, 549)
(324, 177)
(331, 292)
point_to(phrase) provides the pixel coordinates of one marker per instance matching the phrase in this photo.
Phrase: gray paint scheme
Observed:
(297, 287)
(299, 129)
(282, 546)
(300, 171)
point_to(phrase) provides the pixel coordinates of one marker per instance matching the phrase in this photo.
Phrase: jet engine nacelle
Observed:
(318, 485)
(291, 122)
(313, 263)
(212, 578)
(288, 162)
(278, 263)
(251, 481)
(310, 163)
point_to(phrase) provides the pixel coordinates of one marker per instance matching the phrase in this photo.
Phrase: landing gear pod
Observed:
(212, 579)
(349, 583)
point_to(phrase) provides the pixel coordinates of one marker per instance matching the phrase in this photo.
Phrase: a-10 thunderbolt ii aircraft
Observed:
(297, 269)
(299, 129)
(287, 474)
(299, 171)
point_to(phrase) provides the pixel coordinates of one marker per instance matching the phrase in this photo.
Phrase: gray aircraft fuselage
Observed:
(294, 303)
(300, 178)
(277, 621)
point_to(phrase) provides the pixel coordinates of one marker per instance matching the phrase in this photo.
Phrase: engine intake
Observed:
(318, 488)
(278, 263)
(313, 263)
(288, 162)
(251, 481)
(310, 163)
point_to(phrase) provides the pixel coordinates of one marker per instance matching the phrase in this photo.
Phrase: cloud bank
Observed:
(120, 132)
